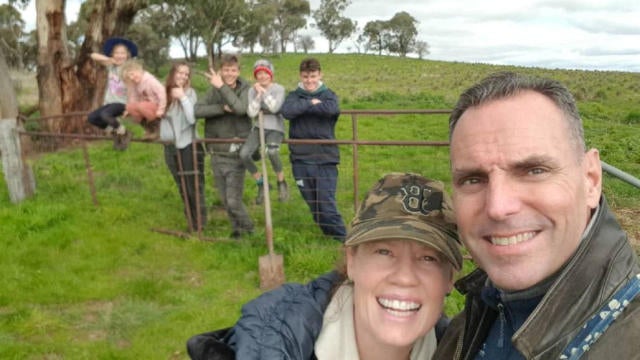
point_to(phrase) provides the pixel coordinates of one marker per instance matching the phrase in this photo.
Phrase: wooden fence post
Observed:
(17, 173)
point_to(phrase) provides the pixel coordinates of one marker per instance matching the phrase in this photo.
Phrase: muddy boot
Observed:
(121, 138)
(283, 191)
(151, 130)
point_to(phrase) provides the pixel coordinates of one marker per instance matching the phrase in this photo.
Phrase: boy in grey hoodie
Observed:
(266, 97)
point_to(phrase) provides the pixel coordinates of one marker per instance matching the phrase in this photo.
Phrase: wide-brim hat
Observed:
(108, 46)
(408, 207)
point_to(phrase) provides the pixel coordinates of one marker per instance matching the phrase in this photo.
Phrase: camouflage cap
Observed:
(408, 206)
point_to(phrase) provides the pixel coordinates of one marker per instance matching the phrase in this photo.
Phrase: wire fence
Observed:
(396, 147)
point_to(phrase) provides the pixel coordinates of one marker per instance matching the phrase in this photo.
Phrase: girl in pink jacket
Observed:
(146, 98)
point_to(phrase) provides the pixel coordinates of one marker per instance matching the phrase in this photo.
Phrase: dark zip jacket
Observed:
(280, 324)
(603, 263)
(308, 121)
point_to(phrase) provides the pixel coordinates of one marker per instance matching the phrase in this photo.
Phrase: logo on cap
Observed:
(419, 199)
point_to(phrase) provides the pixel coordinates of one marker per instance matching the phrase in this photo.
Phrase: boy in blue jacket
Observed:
(312, 110)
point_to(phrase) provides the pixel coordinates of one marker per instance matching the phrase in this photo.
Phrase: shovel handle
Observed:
(265, 184)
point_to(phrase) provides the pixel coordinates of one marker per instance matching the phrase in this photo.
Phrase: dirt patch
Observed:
(91, 327)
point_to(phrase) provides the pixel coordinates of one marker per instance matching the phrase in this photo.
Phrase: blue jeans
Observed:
(317, 185)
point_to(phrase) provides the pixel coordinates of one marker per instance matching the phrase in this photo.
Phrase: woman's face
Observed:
(399, 290)
(181, 76)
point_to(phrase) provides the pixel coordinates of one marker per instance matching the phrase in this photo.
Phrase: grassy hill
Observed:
(83, 281)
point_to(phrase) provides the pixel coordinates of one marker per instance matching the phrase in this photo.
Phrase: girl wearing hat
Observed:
(115, 52)
(385, 302)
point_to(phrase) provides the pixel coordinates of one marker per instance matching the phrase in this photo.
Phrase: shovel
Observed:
(270, 265)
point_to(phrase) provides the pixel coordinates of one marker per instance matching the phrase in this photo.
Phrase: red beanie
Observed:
(262, 68)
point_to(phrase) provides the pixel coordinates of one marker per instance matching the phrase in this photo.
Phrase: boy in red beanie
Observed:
(267, 97)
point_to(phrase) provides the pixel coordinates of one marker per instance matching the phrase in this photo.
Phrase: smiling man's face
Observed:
(522, 190)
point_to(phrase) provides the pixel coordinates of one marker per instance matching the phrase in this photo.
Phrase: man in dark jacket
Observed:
(557, 278)
(224, 108)
(312, 110)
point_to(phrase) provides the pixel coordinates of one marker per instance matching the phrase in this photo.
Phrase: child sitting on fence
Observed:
(115, 52)
(146, 98)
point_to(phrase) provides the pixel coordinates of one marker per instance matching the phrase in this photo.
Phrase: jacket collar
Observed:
(321, 88)
(603, 261)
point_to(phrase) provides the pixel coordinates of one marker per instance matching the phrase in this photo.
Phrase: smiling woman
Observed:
(385, 301)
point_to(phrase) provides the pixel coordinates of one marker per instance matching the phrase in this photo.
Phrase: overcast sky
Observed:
(568, 34)
(572, 34)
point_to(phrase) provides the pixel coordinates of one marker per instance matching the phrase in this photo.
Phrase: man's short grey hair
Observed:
(506, 84)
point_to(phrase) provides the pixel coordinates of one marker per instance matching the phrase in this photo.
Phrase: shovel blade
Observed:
(271, 271)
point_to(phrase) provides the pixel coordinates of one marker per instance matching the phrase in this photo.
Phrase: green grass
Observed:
(95, 282)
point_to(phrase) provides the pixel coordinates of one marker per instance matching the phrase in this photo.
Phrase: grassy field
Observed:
(96, 282)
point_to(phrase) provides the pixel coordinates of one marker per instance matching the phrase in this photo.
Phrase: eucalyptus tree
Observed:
(421, 48)
(183, 21)
(70, 81)
(153, 47)
(305, 42)
(218, 21)
(268, 40)
(290, 16)
(256, 28)
(152, 30)
(184, 30)
(374, 33)
(397, 35)
(11, 34)
(333, 26)
(402, 33)
(360, 44)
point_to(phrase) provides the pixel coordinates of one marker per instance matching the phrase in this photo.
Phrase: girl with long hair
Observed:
(183, 155)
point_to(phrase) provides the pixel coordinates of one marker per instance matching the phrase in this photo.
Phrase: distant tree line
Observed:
(273, 26)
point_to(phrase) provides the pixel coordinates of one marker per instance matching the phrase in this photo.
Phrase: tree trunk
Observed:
(17, 173)
(210, 41)
(71, 85)
(210, 53)
(53, 59)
